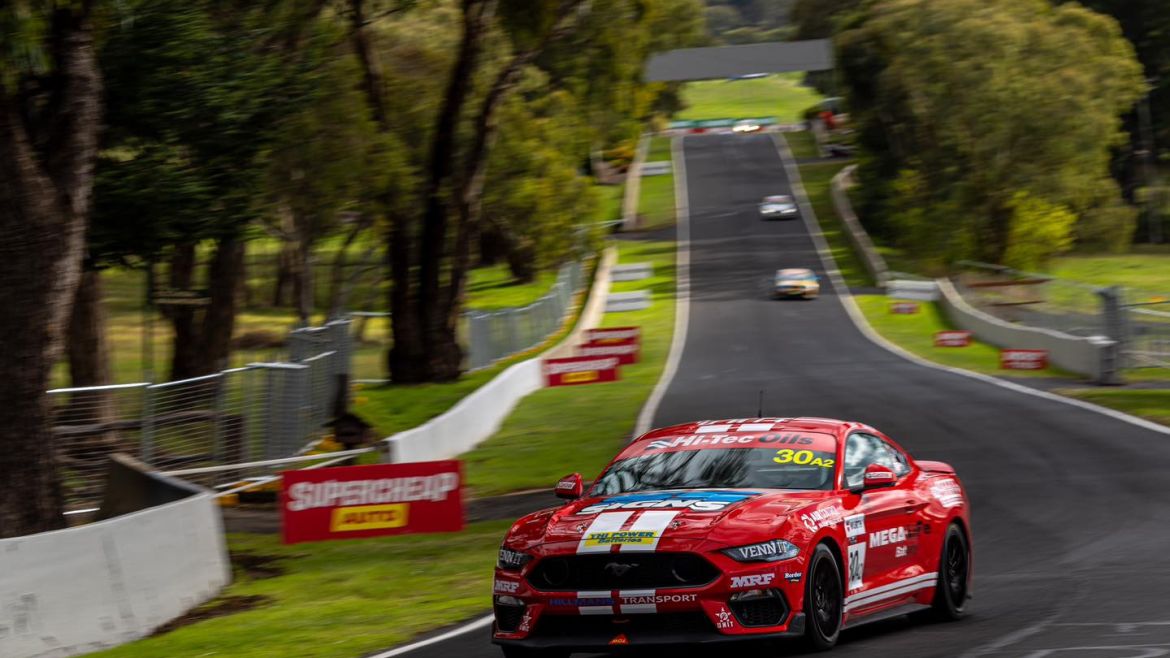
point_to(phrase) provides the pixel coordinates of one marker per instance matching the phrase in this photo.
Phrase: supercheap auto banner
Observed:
(351, 502)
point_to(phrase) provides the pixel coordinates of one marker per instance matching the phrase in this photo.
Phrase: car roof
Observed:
(794, 271)
(777, 198)
(754, 426)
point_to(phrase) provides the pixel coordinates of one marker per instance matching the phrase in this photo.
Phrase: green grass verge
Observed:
(915, 333)
(1147, 269)
(817, 179)
(342, 599)
(656, 194)
(781, 96)
(1150, 404)
(610, 202)
(579, 428)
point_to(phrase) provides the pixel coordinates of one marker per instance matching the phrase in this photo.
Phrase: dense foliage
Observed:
(986, 126)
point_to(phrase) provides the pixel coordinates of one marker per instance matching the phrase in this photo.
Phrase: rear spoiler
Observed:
(936, 467)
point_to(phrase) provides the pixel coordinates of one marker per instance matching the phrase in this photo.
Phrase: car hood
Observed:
(721, 515)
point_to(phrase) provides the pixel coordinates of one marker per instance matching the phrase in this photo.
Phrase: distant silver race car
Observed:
(746, 126)
(796, 282)
(780, 206)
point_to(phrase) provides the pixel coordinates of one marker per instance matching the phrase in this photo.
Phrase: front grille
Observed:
(634, 626)
(508, 617)
(618, 571)
(769, 610)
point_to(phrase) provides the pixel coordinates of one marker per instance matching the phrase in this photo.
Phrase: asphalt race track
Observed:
(1071, 508)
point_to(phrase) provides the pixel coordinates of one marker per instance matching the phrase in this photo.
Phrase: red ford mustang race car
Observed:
(736, 530)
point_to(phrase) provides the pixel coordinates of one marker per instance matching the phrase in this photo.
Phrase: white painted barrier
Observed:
(1084, 356)
(479, 415)
(93, 587)
(870, 258)
(923, 291)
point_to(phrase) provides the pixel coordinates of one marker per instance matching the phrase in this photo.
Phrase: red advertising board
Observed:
(580, 370)
(351, 502)
(625, 350)
(904, 308)
(952, 338)
(1023, 359)
(611, 334)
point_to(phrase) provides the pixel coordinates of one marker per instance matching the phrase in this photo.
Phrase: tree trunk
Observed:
(283, 283)
(522, 264)
(304, 279)
(88, 353)
(185, 354)
(47, 155)
(224, 279)
(492, 246)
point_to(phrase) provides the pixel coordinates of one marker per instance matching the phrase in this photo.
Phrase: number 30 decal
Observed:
(801, 458)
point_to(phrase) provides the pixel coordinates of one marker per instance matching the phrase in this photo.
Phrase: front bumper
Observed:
(598, 634)
(740, 602)
(794, 292)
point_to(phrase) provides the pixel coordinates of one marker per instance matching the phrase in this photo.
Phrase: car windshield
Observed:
(734, 468)
(796, 276)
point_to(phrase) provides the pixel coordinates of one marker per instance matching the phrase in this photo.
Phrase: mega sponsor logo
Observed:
(704, 501)
(711, 440)
(948, 492)
(1023, 359)
(753, 580)
(887, 537)
(580, 370)
(825, 517)
(367, 501)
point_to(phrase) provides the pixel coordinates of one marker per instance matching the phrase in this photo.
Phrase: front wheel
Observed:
(823, 600)
(954, 571)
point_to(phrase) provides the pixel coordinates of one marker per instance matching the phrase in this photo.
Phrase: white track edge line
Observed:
(868, 331)
(466, 628)
(682, 278)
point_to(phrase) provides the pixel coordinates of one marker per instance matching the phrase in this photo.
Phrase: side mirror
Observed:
(878, 476)
(570, 487)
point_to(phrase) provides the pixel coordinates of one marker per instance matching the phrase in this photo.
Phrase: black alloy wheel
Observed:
(824, 600)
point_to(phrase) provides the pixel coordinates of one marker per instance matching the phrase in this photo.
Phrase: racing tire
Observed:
(824, 600)
(954, 572)
(525, 652)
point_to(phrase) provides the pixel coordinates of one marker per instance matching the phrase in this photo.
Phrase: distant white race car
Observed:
(796, 282)
(780, 206)
(746, 126)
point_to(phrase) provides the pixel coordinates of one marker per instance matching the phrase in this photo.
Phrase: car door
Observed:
(883, 531)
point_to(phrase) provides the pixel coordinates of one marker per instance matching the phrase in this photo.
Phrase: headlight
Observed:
(510, 560)
(769, 551)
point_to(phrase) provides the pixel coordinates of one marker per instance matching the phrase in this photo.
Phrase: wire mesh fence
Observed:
(260, 411)
(1141, 323)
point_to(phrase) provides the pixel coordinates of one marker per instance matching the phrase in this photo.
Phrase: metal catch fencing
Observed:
(493, 335)
(1138, 320)
(260, 411)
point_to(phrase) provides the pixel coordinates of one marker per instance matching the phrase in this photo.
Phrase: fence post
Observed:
(146, 434)
(1113, 312)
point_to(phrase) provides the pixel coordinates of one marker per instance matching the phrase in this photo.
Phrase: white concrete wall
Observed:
(1084, 356)
(873, 261)
(479, 415)
(83, 589)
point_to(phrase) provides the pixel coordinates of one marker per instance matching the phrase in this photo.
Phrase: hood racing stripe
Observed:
(605, 522)
(653, 521)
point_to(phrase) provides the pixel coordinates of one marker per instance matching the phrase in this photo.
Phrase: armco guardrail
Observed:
(1088, 356)
(479, 415)
(83, 589)
(873, 261)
